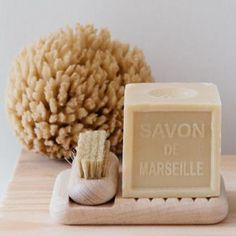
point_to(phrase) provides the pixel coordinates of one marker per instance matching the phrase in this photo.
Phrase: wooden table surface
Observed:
(24, 210)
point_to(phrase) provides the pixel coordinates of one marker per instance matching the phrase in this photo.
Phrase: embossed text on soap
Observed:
(172, 147)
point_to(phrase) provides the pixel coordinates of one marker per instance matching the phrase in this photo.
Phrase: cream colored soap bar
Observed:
(172, 140)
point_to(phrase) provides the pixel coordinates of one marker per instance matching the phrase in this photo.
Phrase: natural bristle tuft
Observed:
(92, 152)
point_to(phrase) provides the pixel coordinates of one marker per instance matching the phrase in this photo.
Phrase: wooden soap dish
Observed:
(123, 211)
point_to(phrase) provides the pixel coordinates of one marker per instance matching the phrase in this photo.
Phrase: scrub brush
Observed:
(94, 173)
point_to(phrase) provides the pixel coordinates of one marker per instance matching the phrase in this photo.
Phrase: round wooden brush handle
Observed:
(95, 191)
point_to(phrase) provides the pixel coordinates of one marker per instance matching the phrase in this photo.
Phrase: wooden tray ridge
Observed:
(123, 211)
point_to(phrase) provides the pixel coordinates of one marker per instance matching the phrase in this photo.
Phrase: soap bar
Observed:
(172, 140)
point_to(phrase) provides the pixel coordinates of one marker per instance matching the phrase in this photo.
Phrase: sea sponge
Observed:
(69, 82)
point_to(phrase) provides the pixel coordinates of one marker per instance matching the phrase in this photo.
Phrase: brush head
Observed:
(92, 154)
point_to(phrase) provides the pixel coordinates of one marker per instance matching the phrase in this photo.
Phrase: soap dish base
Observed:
(142, 211)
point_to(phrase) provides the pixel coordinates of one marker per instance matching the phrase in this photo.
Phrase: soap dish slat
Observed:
(124, 211)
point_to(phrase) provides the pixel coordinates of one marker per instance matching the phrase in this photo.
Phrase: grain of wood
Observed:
(34, 178)
(140, 211)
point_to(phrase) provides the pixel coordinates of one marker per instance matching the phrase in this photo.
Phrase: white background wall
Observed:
(184, 40)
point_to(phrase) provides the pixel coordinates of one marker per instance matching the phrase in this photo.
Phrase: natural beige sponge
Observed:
(69, 82)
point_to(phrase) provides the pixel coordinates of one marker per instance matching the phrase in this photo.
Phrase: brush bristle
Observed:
(92, 152)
